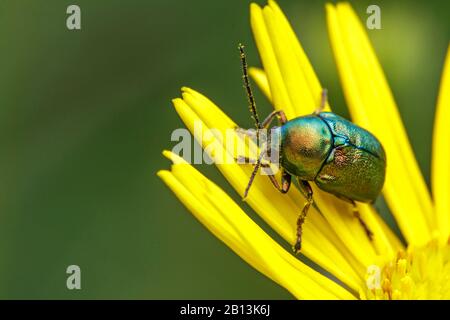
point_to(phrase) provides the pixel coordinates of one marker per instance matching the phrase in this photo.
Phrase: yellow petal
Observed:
(373, 107)
(441, 154)
(293, 77)
(278, 90)
(294, 86)
(293, 46)
(231, 225)
(261, 80)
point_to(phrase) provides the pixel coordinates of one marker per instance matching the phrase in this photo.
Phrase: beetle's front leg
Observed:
(245, 132)
(285, 176)
(285, 181)
(307, 191)
(277, 113)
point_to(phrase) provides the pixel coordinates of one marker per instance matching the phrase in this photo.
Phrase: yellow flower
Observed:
(364, 269)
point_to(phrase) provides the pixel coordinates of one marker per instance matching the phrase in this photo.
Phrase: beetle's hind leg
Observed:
(306, 189)
(357, 215)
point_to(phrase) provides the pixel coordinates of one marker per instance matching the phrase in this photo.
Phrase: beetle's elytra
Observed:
(340, 157)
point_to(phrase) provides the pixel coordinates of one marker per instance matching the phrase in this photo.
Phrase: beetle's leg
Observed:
(265, 124)
(246, 132)
(323, 101)
(285, 176)
(285, 181)
(277, 113)
(253, 175)
(248, 160)
(357, 215)
(306, 189)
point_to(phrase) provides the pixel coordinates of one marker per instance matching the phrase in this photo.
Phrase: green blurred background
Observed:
(84, 116)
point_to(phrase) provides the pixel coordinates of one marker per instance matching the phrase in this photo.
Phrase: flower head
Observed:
(332, 238)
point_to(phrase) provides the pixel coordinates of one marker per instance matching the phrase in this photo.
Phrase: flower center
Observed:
(417, 273)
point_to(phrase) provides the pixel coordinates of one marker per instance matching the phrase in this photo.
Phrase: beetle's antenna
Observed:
(255, 171)
(251, 99)
(254, 112)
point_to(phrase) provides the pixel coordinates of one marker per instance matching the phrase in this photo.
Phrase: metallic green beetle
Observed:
(340, 157)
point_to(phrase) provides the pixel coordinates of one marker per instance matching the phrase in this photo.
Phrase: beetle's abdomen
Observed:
(352, 173)
(355, 168)
(306, 143)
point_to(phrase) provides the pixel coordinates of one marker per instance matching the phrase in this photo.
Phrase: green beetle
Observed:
(340, 157)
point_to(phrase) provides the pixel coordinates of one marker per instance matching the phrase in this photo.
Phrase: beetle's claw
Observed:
(369, 234)
(297, 247)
